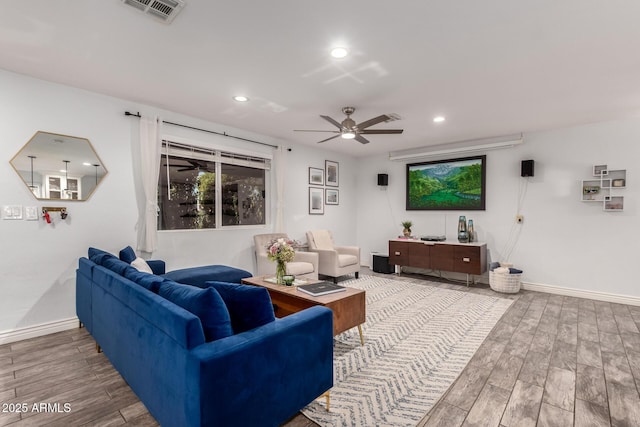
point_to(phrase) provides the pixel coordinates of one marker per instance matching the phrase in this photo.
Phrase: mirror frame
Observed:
(59, 138)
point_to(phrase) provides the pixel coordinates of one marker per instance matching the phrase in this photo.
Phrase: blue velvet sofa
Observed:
(210, 354)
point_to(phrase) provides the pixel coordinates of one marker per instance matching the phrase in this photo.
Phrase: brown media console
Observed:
(469, 258)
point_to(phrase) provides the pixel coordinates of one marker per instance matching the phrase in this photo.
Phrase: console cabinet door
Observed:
(442, 257)
(399, 253)
(419, 255)
(467, 259)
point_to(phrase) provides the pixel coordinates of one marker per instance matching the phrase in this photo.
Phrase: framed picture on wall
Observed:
(316, 201)
(316, 176)
(331, 196)
(332, 172)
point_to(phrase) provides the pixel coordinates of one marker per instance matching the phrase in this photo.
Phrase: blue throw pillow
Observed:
(249, 306)
(204, 303)
(127, 255)
(146, 280)
(99, 256)
(117, 266)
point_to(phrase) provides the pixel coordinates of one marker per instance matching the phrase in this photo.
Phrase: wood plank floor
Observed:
(550, 361)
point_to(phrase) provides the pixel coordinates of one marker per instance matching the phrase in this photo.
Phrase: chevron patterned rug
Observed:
(418, 339)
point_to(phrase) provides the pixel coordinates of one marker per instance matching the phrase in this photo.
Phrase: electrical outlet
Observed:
(519, 219)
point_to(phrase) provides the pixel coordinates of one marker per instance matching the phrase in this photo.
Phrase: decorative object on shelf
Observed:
(288, 279)
(463, 234)
(471, 231)
(406, 228)
(281, 252)
(589, 190)
(604, 187)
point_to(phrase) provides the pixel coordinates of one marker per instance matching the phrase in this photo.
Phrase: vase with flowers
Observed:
(281, 251)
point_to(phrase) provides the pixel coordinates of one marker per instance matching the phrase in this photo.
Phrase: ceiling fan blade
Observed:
(333, 122)
(309, 130)
(324, 140)
(374, 121)
(361, 139)
(381, 131)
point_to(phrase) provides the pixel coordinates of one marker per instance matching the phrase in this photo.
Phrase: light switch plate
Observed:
(12, 212)
(31, 213)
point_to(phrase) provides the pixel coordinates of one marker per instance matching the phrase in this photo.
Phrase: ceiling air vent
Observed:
(164, 10)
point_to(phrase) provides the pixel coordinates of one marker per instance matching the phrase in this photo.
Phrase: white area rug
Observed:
(418, 339)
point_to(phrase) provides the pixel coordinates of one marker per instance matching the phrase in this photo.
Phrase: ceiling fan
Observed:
(349, 129)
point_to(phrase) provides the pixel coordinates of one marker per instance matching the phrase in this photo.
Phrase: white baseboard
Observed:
(581, 293)
(38, 330)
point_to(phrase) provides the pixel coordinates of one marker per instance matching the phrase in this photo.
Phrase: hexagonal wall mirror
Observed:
(59, 167)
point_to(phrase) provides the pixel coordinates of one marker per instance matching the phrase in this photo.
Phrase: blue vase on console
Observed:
(463, 234)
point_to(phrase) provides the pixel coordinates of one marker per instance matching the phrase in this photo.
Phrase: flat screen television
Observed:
(453, 184)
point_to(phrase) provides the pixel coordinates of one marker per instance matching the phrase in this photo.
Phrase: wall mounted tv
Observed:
(454, 184)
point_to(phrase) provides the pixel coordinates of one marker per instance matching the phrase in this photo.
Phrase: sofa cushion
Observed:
(146, 280)
(98, 256)
(249, 306)
(197, 276)
(127, 255)
(141, 265)
(204, 303)
(117, 266)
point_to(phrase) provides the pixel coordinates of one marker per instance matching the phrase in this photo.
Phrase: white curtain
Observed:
(150, 146)
(280, 170)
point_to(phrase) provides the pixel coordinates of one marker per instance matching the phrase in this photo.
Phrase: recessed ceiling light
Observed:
(438, 119)
(240, 98)
(339, 52)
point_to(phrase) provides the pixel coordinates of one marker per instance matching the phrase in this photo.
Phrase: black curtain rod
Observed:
(126, 113)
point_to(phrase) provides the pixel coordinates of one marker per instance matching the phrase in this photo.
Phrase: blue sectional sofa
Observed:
(210, 354)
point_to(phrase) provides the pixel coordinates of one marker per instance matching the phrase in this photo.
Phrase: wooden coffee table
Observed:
(348, 306)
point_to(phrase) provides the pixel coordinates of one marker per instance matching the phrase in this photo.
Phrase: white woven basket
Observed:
(507, 283)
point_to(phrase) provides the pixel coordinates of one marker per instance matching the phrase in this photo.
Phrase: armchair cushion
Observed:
(249, 306)
(323, 239)
(299, 268)
(204, 303)
(345, 260)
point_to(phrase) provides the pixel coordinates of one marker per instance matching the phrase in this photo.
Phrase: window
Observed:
(204, 189)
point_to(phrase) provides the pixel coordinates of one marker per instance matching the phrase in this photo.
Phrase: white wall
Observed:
(38, 261)
(563, 242)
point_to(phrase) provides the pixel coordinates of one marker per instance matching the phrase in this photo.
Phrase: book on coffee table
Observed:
(320, 288)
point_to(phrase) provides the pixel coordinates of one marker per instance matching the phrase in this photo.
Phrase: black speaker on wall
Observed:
(383, 179)
(526, 169)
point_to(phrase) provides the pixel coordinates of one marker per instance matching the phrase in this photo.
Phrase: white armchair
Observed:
(335, 261)
(303, 266)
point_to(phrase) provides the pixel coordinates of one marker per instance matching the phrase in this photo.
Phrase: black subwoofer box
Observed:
(381, 264)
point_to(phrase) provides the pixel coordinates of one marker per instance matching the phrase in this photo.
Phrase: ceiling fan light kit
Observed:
(349, 129)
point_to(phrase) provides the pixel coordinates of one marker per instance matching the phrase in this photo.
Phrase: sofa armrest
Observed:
(279, 367)
(157, 266)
